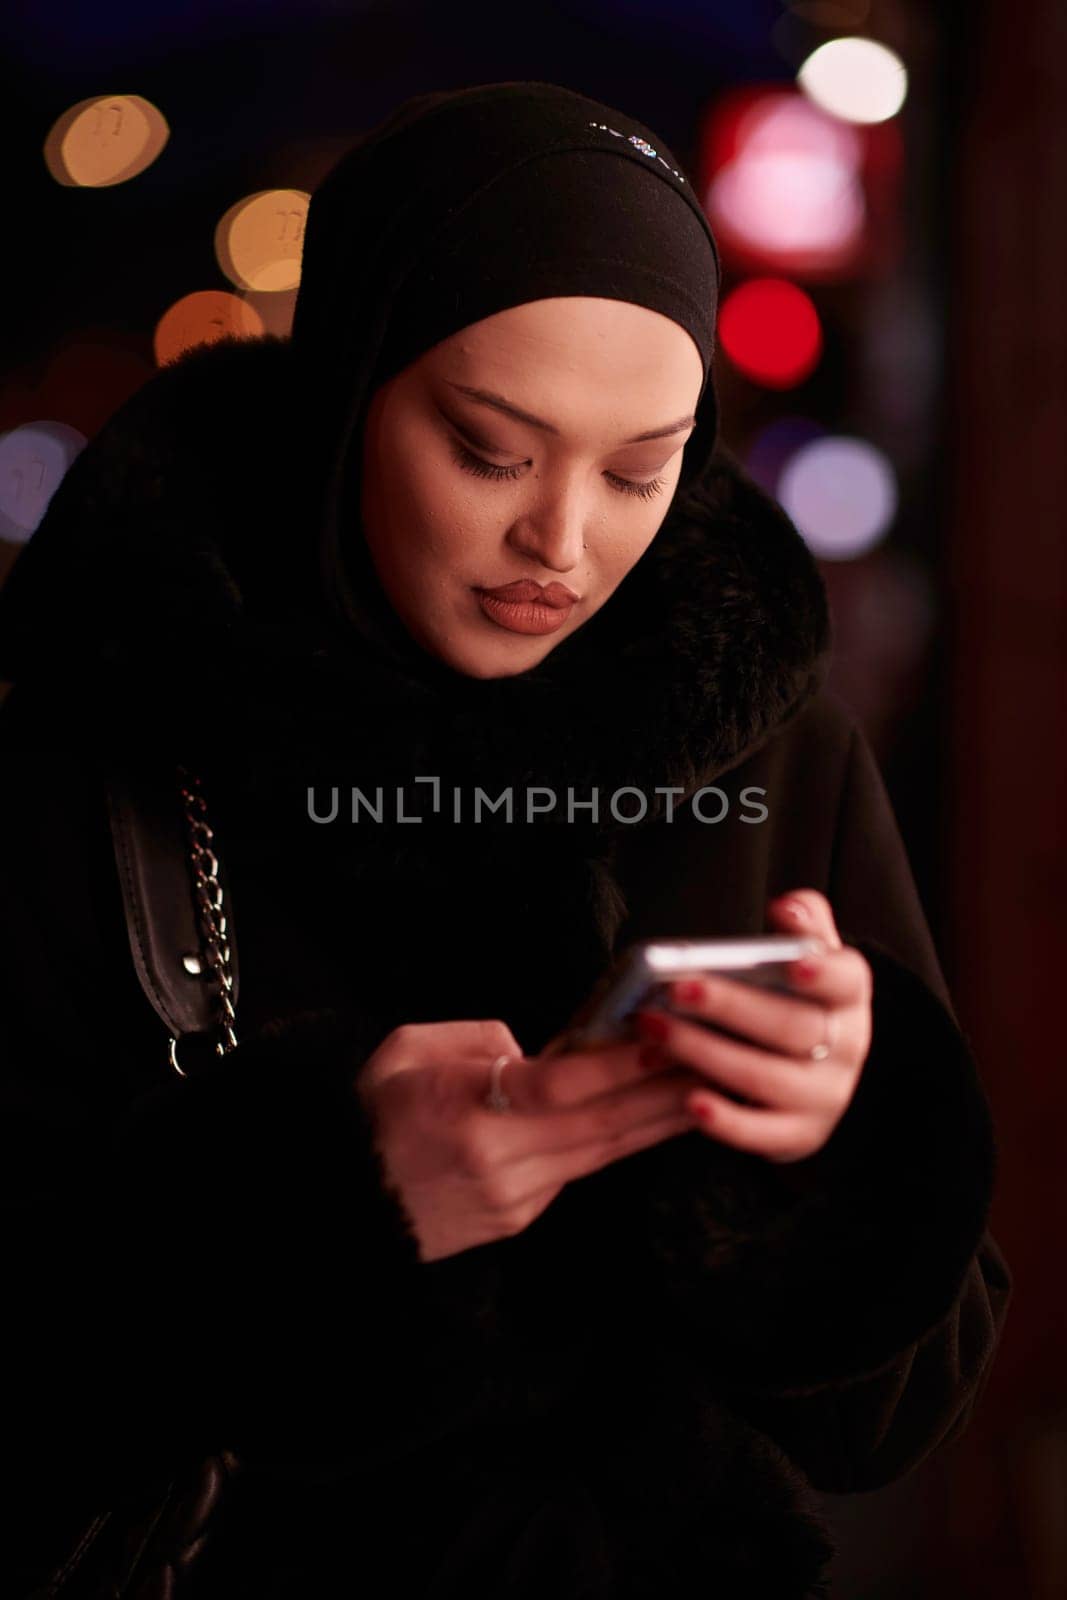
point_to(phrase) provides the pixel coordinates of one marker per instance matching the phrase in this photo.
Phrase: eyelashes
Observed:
(485, 469)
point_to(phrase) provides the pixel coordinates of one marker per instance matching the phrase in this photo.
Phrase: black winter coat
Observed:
(636, 1395)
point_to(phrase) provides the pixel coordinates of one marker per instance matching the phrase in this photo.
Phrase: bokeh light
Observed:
(260, 240)
(33, 460)
(105, 140)
(841, 492)
(858, 80)
(789, 188)
(84, 380)
(770, 330)
(203, 318)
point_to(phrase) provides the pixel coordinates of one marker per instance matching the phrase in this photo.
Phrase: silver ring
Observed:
(819, 1052)
(496, 1099)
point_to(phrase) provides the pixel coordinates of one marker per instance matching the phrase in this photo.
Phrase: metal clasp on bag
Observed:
(222, 1047)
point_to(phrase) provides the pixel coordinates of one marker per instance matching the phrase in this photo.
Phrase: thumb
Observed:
(805, 911)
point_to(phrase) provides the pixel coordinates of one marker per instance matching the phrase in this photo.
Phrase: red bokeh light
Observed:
(771, 332)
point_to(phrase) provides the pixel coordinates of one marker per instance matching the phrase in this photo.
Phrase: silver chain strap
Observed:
(207, 890)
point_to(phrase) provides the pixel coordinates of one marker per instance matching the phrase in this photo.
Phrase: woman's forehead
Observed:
(532, 354)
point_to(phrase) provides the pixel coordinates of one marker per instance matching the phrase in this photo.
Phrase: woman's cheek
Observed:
(467, 526)
(430, 505)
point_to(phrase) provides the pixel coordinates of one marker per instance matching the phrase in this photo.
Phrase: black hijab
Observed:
(458, 206)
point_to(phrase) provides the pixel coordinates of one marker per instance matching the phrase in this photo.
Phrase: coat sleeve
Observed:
(198, 1264)
(849, 1305)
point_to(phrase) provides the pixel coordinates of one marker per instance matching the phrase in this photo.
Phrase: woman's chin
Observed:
(507, 663)
(465, 651)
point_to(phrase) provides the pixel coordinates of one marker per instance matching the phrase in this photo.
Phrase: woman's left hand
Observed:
(805, 1061)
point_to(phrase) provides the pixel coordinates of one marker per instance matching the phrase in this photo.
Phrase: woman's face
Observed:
(512, 451)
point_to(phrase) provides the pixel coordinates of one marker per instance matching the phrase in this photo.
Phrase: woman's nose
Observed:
(552, 531)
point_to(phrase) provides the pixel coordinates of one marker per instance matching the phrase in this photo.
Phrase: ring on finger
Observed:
(497, 1097)
(819, 1052)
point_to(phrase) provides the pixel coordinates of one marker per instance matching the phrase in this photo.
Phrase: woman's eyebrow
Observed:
(485, 397)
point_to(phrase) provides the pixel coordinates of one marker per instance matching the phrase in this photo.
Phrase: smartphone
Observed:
(640, 977)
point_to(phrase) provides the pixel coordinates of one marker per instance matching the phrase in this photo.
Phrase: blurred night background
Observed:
(886, 180)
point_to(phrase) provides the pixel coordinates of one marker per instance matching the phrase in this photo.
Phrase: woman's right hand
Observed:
(466, 1174)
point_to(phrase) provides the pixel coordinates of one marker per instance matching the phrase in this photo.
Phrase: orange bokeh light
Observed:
(105, 140)
(260, 240)
(203, 318)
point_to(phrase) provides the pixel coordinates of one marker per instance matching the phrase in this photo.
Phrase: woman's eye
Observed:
(628, 486)
(485, 469)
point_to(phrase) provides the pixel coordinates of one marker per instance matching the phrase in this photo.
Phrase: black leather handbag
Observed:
(180, 924)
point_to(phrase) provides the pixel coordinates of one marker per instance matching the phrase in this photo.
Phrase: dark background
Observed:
(945, 346)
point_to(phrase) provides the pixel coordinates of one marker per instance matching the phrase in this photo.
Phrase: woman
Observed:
(487, 1320)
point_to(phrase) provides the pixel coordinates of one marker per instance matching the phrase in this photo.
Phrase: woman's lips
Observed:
(523, 616)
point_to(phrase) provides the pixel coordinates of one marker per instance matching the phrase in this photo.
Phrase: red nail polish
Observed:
(651, 1025)
(703, 1110)
(689, 991)
(805, 970)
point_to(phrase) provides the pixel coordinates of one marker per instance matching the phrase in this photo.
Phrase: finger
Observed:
(558, 1082)
(805, 911)
(564, 1166)
(535, 1085)
(783, 1082)
(596, 1124)
(431, 1042)
(779, 1136)
(840, 979)
(780, 1022)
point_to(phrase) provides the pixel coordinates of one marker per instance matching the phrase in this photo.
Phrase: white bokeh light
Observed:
(788, 202)
(841, 493)
(858, 80)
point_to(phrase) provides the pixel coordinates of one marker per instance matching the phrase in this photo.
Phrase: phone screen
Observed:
(642, 975)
